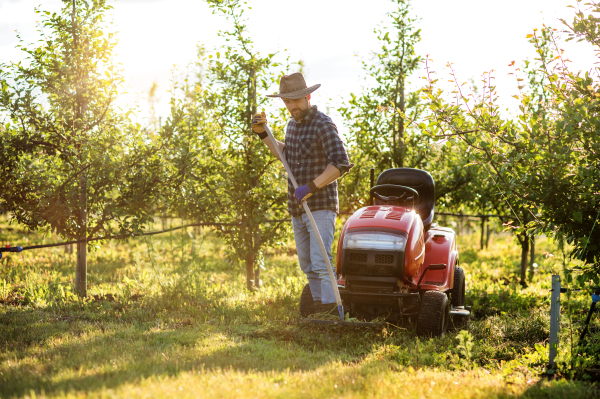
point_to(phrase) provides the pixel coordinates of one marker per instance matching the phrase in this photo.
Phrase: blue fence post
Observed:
(554, 318)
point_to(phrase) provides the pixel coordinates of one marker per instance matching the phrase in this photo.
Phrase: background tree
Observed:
(247, 184)
(546, 160)
(483, 194)
(384, 120)
(73, 162)
(190, 148)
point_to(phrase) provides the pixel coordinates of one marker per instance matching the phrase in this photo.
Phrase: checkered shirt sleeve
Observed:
(311, 145)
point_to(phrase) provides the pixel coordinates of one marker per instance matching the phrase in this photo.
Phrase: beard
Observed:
(299, 114)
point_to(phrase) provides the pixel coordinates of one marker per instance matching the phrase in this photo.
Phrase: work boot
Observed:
(317, 306)
(329, 308)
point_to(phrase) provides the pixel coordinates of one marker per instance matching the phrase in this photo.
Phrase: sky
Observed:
(158, 39)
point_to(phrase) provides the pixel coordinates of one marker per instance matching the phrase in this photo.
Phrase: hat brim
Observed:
(296, 94)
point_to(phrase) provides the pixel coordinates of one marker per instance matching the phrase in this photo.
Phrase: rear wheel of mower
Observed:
(434, 314)
(457, 293)
(307, 307)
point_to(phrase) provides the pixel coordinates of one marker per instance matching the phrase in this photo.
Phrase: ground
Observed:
(169, 316)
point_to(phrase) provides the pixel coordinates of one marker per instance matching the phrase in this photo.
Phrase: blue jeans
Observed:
(309, 253)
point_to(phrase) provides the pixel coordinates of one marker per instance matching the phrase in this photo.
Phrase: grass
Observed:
(168, 316)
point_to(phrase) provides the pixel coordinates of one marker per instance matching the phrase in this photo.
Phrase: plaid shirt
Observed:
(311, 145)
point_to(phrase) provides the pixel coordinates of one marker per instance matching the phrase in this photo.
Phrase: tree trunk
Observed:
(401, 124)
(252, 93)
(252, 243)
(532, 257)
(487, 235)
(81, 273)
(524, 256)
(248, 253)
(251, 236)
(250, 272)
(482, 233)
(257, 280)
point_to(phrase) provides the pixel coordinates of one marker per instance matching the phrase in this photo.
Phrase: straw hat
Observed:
(294, 86)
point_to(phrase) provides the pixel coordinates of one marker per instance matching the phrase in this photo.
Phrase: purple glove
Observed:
(303, 192)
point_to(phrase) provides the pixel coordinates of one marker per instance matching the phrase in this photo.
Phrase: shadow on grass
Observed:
(561, 389)
(104, 347)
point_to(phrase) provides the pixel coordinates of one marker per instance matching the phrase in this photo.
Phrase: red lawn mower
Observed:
(394, 264)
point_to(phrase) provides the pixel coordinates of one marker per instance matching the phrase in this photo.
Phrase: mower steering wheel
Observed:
(401, 194)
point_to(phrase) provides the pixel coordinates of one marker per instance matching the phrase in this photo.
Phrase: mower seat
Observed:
(419, 180)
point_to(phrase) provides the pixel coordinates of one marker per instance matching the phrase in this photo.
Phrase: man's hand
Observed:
(257, 125)
(303, 192)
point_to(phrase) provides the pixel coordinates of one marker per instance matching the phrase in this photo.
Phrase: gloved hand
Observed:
(257, 125)
(303, 192)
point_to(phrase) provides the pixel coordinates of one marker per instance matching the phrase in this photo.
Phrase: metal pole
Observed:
(554, 318)
(336, 292)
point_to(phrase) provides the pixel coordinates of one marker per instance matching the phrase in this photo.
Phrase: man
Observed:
(317, 158)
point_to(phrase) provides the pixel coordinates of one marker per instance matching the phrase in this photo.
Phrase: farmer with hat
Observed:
(317, 158)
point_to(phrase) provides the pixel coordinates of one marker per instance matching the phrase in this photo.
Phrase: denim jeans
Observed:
(309, 253)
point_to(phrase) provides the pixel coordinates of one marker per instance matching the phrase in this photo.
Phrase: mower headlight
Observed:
(374, 241)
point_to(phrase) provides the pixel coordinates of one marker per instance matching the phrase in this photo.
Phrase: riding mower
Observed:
(395, 264)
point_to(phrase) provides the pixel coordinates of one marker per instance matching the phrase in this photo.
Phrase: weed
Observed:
(465, 347)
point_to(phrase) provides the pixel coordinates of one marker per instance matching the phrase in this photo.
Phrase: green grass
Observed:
(170, 317)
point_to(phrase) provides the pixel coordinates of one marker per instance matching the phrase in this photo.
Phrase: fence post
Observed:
(554, 318)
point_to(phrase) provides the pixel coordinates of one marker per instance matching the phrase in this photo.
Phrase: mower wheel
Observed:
(434, 314)
(457, 293)
(307, 307)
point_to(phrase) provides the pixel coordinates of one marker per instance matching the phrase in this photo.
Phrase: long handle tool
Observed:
(338, 299)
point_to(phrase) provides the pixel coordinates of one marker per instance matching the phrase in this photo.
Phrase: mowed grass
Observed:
(170, 317)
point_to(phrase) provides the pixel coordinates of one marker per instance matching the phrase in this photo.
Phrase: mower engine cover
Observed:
(382, 241)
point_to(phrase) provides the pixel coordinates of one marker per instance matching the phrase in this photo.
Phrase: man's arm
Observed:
(329, 175)
(339, 164)
(258, 121)
(269, 144)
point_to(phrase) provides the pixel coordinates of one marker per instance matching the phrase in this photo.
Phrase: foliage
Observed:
(383, 120)
(73, 163)
(546, 161)
(191, 152)
(465, 346)
(231, 176)
(377, 117)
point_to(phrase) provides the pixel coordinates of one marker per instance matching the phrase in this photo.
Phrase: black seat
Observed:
(419, 180)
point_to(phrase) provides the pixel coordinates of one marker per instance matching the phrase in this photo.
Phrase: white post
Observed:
(554, 318)
(336, 292)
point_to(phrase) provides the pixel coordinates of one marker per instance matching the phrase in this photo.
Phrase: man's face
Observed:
(298, 108)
